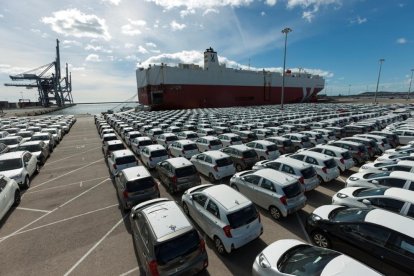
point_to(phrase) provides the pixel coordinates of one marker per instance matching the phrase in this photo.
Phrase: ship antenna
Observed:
(249, 63)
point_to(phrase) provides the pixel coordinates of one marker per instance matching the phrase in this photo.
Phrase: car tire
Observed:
(37, 171)
(275, 212)
(211, 178)
(234, 187)
(297, 148)
(17, 198)
(320, 179)
(239, 168)
(356, 162)
(262, 158)
(170, 189)
(320, 239)
(26, 183)
(185, 209)
(218, 244)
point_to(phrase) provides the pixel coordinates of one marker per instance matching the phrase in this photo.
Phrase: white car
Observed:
(406, 166)
(208, 143)
(152, 154)
(214, 164)
(402, 180)
(292, 257)
(226, 216)
(382, 142)
(20, 166)
(121, 159)
(395, 157)
(266, 150)
(187, 135)
(9, 194)
(183, 148)
(342, 156)
(315, 137)
(139, 142)
(229, 139)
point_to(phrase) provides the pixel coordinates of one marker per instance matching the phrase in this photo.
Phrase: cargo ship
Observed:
(164, 87)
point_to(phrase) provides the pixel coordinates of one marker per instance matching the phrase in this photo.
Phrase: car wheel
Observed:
(355, 161)
(235, 187)
(320, 179)
(171, 189)
(297, 148)
(262, 158)
(320, 240)
(275, 212)
(239, 167)
(185, 209)
(37, 168)
(219, 246)
(26, 183)
(211, 178)
(17, 198)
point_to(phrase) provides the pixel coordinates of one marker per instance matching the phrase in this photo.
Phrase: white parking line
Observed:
(34, 210)
(129, 271)
(53, 179)
(62, 168)
(67, 157)
(93, 247)
(83, 145)
(80, 183)
(340, 178)
(303, 228)
(81, 194)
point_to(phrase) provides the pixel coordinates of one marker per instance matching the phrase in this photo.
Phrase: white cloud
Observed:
(271, 2)
(97, 49)
(308, 15)
(401, 40)
(1, 16)
(184, 13)
(262, 13)
(129, 45)
(76, 69)
(113, 2)
(175, 26)
(150, 44)
(142, 50)
(12, 70)
(359, 20)
(93, 58)
(133, 28)
(208, 11)
(71, 42)
(155, 51)
(73, 22)
(195, 4)
(36, 31)
(311, 6)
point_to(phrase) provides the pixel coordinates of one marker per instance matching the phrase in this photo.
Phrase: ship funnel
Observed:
(210, 59)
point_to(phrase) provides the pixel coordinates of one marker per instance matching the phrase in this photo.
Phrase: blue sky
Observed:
(105, 40)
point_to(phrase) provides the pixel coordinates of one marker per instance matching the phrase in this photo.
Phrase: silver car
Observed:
(214, 164)
(275, 191)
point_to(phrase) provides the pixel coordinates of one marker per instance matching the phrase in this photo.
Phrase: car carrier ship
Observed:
(191, 86)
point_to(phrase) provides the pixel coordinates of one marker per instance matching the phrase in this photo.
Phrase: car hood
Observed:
(36, 153)
(11, 173)
(344, 265)
(348, 191)
(325, 210)
(274, 251)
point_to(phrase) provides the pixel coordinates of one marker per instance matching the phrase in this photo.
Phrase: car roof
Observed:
(316, 155)
(135, 172)
(332, 148)
(391, 220)
(240, 147)
(405, 163)
(282, 179)
(142, 138)
(292, 162)
(403, 194)
(349, 142)
(29, 143)
(403, 175)
(166, 218)
(263, 142)
(10, 155)
(215, 154)
(120, 153)
(185, 142)
(179, 162)
(113, 142)
(210, 138)
(227, 197)
(166, 134)
(155, 147)
(229, 134)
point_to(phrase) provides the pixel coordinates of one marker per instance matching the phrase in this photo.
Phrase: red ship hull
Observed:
(163, 97)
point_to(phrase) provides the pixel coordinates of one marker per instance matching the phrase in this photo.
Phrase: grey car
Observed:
(243, 157)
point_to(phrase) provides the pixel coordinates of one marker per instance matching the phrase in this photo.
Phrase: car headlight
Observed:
(340, 195)
(314, 217)
(364, 167)
(263, 262)
(17, 176)
(353, 178)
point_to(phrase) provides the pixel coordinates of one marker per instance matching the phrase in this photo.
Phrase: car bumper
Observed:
(234, 243)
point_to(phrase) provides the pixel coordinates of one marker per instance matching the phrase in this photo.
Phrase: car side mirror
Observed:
(384, 169)
(375, 182)
(366, 202)
(132, 215)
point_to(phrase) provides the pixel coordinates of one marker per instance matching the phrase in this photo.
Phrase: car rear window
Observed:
(185, 171)
(135, 135)
(287, 143)
(249, 154)
(242, 217)
(159, 153)
(308, 172)
(171, 138)
(369, 192)
(362, 149)
(11, 164)
(348, 214)
(251, 135)
(140, 184)
(318, 136)
(25, 134)
(31, 148)
(330, 163)
(372, 144)
(272, 148)
(235, 139)
(192, 135)
(9, 142)
(116, 147)
(305, 139)
(346, 155)
(224, 162)
(145, 143)
(292, 190)
(180, 246)
(125, 160)
(215, 142)
(190, 147)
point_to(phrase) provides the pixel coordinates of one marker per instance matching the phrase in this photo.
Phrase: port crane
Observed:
(49, 83)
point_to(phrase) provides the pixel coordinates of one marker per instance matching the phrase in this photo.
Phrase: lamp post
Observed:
(284, 31)
(379, 75)
(409, 88)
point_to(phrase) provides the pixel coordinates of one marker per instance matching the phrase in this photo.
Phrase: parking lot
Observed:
(69, 221)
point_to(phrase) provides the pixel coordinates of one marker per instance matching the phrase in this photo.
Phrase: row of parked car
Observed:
(229, 216)
(25, 145)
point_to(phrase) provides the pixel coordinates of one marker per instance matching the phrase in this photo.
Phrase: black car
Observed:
(379, 238)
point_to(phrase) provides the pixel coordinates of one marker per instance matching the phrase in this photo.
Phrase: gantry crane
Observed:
(50, 85)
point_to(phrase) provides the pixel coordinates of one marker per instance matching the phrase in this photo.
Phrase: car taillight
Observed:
(382, 144)
(231, 142)
(114, 165)
(283, 149)
(342, 160)
(283, 200)
(302, 180)
(202, 245)
(215, 168)
(174, 179)
(153, 268)
(150, 158)
(125, 194)
(227, 231)
(267, 152)
(209, 146)
(360, 153)
(324, 169)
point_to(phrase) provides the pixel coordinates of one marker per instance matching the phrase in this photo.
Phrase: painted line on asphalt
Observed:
(62, 168)
(303, 228)
(340, 178)
(66, 219)
(81, 194)
(84, 139)
(129, 271)
(79, 146)
(53, 179)
(33, 210)
(80, 183)
(67, 157)
(94, 247)
(27, 225)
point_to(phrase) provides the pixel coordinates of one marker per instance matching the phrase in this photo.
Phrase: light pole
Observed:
(284, 31)
(409, 88)
(379, 75)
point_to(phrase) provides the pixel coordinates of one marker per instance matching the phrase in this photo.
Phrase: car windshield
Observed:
(190, 147)
(362, 149)
(224, 162)
(305, 260)
(140, 184)
(9, 142)
(145, 143)
(242, 217)
(126, 160)
(292, 190)
(134, 135)
(249, 154)
(235, 139)
(114, 147)
(251, 135)
(305, 139)
(348, 214)
(287, 143)
(10, 164)
(376, 175)
(31, 148)
(185, 171)
(171, 138)
(40, 138)
(318, 136)
(272, 148)
(308, 172)
(25, 134)
(159, 153)
(180, 246)
(330, 164)
(346, 155)
(369, 192)
(192, 135)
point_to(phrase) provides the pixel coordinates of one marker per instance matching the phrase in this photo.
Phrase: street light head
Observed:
(382, 60)
(286, 30)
